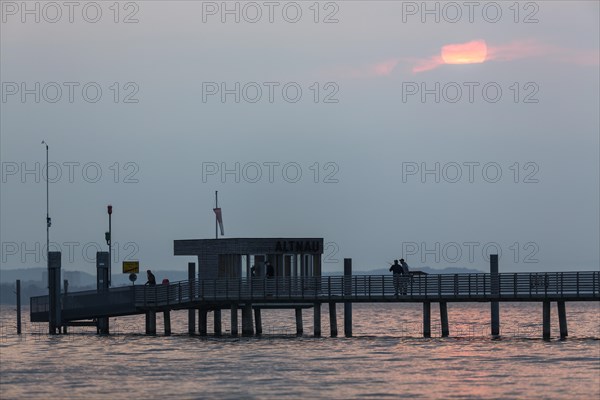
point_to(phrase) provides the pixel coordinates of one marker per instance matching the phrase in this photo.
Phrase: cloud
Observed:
(518, 50)
(473, 52)
(379, 69)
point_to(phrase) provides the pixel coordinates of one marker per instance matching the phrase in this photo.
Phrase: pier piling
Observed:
(217, 321)
(247, 325)
(54, 309)
(66, 292)
(167, 320)
(191, 311)
(258, 321)
(427, 319)
(150, 322)
(348, 292)
(202, 322)
(333, 320)
(299, 327)
(234, 319)
(18, 306)
(317, 320)
(444, 318)
(562, 319)
(495, 290)
(546, 320)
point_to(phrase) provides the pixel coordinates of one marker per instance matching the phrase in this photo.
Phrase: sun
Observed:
(474, 52)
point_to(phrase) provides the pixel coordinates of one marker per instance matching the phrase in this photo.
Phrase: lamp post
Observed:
(108, 237)
(48, 221)
(216, 216)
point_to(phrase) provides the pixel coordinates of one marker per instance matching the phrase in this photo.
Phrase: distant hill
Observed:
(33, 281)
(83, 279)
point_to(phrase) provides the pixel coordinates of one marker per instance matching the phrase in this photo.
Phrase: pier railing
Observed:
(417, 287)
(87, 304)
(551, 286)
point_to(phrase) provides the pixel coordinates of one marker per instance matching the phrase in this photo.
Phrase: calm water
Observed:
(386, 358)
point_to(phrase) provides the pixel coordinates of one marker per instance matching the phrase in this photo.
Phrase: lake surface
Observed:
(385, 358)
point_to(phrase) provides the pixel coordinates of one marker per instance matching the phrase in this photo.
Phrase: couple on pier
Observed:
(401, 274)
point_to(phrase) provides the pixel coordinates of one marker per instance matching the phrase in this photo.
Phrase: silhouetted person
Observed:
(404, 265)
(270, 270)
(397, 270)
(151, 278)
(406, 278)
(253, 271)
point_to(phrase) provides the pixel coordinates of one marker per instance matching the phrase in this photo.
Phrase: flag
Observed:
(219, 219)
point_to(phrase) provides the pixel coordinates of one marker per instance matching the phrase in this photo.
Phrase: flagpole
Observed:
(216, 216)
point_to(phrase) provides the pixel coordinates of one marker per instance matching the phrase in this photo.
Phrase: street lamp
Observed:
(48, 221)
(107, 236)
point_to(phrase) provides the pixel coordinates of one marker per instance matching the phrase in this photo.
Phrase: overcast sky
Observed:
(438, 137)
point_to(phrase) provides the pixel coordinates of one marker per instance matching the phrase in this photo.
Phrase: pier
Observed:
(252, 295)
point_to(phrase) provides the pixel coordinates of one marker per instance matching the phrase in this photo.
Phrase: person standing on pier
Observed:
(270, 270)
(397, 271)
(406, 278)
(151, 279)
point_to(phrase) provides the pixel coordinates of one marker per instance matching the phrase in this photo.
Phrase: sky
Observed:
(437, 132)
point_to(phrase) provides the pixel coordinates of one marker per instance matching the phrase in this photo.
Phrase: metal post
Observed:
(202, 322)
(317, 319)
(217, 321)
(348, 292)
(495, 291)
(48, 224)
(54, 321)
(333, 320)
(109, 208)
(234, 319)
(216, 219)
(102, 260)
(18, 306)
(247, 326)
(546, 320)
(299, 327)
(562, 319)
(191, 311)
(427, 319)
(150, 322)
(258, 321)
(66, 292)
(167, 319)
(444, 318)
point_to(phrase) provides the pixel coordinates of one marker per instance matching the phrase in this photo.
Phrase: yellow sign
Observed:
(130, 267)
